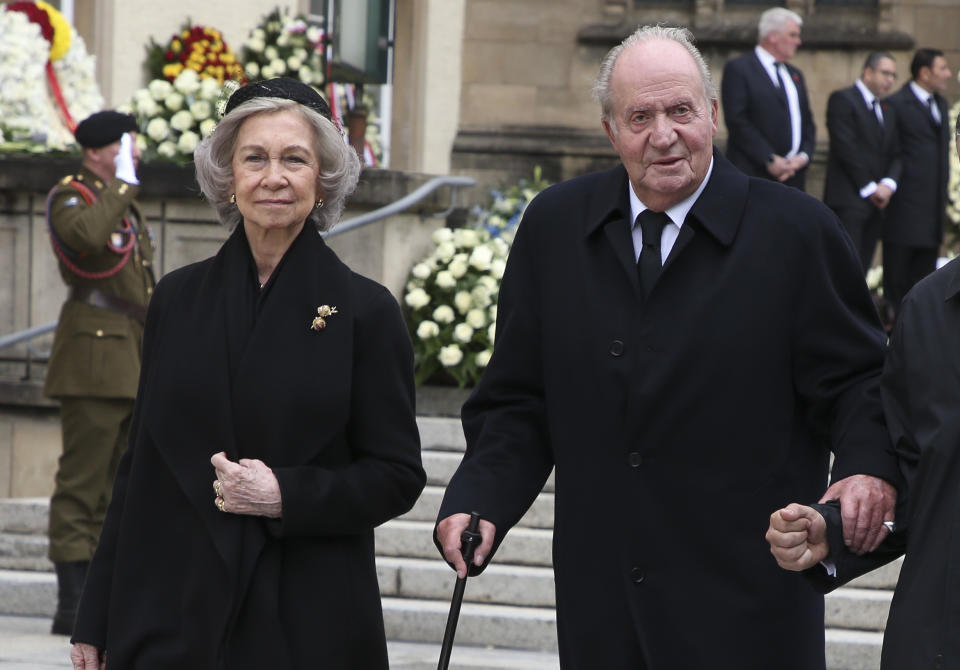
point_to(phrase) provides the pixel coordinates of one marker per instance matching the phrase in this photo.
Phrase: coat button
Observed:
(635, 459)
(149, 291)
(616, 348)
(637, 576)
(99, 333)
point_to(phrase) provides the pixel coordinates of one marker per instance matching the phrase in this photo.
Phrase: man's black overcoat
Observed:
(175, 583)
(676, 425)
(921, 394)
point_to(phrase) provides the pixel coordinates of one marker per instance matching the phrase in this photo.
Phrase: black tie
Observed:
(934, 112)
(878, 115)
(648, 266)
(781, 71)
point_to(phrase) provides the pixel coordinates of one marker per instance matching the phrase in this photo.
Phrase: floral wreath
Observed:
(197, 48)
(40, 49)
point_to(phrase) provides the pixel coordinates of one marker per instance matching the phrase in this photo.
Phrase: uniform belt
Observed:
(92, 296)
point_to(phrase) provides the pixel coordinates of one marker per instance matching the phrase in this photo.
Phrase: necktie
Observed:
(877, 112)
(934, 112)
(648, 266)
(782, 81)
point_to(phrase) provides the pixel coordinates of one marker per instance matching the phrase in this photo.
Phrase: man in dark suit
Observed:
(864, 163)
(714, 375)
(920, 395)
(770, 130)
(913, 227)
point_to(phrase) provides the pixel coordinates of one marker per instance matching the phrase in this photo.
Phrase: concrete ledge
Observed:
(853, 650)
(540, 514)
(28, 593)
(861, 609)
(512, 627)
(499, 584)
(522, 546)
(24, 515)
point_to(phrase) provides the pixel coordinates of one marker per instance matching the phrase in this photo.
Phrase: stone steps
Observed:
(510, 606)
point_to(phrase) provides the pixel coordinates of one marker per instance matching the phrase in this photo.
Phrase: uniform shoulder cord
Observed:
(66, 255)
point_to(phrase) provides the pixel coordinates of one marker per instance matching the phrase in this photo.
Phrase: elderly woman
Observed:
(274, 426)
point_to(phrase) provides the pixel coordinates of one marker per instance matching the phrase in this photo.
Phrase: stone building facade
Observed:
(528, 66)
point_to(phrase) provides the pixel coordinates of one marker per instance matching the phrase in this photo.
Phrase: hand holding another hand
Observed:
(865, 503)
(798, 537)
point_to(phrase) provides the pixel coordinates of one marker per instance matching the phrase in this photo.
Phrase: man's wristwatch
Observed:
(771, 157)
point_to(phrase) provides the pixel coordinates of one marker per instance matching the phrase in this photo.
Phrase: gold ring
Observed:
(218, 501)
(218, 487)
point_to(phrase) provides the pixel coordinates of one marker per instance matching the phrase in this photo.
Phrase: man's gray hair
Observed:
(682, 36)
(775, 20)
(339, 164)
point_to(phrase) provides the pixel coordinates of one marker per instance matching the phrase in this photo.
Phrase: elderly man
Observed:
(865, 161)
(713, 376)
(920, 396)
(770, 128)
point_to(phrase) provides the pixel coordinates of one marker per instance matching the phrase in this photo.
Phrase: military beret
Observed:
(281, 87)
(103, 128)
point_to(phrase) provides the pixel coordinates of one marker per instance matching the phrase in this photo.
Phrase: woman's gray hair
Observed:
(339, 164)
(601, 88)
(774, 20)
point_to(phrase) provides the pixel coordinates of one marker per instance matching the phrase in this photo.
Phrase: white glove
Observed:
(123, 161)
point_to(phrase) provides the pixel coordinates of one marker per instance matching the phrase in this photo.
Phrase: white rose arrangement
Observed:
(285, 46)
(174, 116)
(451, 295)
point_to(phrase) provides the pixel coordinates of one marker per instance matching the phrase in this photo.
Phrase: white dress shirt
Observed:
(924, 97)
(868, 97)
(789, 88)
(676, 214)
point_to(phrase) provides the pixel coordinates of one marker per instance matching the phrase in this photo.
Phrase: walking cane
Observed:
(469, 540)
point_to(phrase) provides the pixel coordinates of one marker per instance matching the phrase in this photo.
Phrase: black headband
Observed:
(281, 87)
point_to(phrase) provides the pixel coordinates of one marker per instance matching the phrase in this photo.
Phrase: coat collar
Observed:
(718, 209)
(953, 283)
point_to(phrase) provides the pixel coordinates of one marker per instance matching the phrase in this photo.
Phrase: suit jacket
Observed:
(177, 583)
(917, 211)
(861, 151)
(757, 117)
(920, 396)
(96, 352)
(757, 352)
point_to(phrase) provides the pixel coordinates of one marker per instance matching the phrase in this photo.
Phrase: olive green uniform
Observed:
(95, 362)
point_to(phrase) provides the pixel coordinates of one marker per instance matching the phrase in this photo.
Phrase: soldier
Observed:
(105, 252)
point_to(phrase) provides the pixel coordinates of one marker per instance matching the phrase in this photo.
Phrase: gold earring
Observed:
(319, 203)
(233, 198)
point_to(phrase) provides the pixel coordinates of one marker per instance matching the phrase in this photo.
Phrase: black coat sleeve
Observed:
(838, 355)
(508, 457)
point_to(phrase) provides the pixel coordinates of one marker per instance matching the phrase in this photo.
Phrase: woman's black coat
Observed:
(177, 583)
